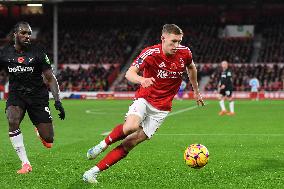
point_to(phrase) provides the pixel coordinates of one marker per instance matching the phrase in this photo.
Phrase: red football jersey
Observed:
(166, 70)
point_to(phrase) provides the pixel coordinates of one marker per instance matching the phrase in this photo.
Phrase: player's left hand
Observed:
(58, 106)
(199, 99)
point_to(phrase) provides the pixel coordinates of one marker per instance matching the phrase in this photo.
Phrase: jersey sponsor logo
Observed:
(21, 59)
(20, 69)
(162, 65)
(166, 74)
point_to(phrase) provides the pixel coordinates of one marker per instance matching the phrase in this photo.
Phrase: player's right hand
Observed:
(199, 99)
(58, 106)
(147, 82)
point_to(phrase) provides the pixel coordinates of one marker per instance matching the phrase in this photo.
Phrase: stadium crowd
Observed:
(92, 79)
(203, 38)
(114, 43)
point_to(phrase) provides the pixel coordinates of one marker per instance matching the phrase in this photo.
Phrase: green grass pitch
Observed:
(246, 150)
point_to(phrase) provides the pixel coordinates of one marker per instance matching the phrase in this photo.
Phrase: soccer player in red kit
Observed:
(162, 66)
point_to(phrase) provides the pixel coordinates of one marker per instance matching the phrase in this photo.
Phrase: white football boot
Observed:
(96, 150)
(90, 176)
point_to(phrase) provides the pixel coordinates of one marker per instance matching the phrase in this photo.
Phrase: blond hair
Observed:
(172, 29)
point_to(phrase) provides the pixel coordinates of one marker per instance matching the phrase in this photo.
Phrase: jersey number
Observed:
(48, 111)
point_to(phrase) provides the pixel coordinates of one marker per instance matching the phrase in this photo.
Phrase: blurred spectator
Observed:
(270, 77)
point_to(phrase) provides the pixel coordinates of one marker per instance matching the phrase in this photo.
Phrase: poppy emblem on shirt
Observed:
(173, 66)
(21, 60)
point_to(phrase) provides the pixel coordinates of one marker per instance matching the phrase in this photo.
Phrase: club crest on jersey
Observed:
(21, 59)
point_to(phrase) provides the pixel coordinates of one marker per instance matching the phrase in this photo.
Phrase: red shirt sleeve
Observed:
(140, 62)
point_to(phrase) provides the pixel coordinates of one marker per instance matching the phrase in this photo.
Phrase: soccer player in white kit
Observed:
(162, 66)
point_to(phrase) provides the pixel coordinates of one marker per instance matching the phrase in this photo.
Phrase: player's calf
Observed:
(47, 142)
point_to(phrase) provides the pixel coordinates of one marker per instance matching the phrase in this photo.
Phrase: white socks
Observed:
(232, 106)
(95, 170)
(223, 108)
(103, 144)
(18, 144)
(222, 105)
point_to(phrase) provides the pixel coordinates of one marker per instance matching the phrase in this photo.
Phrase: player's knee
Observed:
(127, 130)
(131, 124)
(128, 145)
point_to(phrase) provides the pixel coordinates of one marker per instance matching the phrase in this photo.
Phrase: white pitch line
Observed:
(212, 134)
(106, 133)
(98, 112)
(182, 110)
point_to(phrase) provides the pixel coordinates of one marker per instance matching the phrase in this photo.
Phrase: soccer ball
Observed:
(196, 156)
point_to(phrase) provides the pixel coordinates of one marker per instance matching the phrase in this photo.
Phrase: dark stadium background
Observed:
(92, 43)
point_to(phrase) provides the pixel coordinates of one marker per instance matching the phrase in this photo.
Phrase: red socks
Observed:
(117, 153)
(115, 135)
(112, 157)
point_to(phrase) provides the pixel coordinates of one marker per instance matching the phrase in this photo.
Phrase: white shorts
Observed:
(151, 117)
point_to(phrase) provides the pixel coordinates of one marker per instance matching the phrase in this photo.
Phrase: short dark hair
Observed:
(16, 27)
(172, 29)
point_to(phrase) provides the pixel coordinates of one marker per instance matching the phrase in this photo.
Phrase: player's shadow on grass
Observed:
(270, 163)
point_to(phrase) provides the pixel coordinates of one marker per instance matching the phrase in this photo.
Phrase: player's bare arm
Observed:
(53, 85)
(192, 75)
(132, 76)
